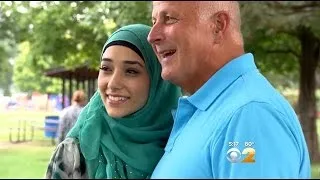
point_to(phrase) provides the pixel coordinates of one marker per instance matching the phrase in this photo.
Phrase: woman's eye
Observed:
(132, 72)
(105, 68)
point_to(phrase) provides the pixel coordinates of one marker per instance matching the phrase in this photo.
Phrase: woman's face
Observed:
(123, 81)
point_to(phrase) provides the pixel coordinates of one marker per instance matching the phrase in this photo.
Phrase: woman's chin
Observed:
(114, 114)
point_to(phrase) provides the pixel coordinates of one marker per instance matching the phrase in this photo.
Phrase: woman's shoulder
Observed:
(68, 149)
(66, 161)
(69, 141)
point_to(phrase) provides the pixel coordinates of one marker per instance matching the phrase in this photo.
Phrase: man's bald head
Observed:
(206, 9)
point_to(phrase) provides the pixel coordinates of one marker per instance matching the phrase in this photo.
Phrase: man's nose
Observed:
(155, 34)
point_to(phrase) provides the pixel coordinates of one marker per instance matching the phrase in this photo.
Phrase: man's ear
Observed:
(220, 22)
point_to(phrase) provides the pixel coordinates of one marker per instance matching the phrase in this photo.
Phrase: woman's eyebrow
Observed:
(106, 59)
(125, 61)
(133, 62)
